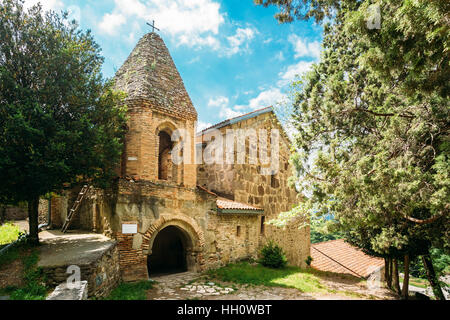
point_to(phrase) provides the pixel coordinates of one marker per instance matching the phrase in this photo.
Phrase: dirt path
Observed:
(194, 286)
(11, 274)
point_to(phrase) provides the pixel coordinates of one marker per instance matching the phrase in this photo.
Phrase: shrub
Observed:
(308, 260)
(9, 232)
(272, 256)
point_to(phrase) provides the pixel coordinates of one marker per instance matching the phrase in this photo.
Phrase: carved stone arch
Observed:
(192, 232)
(167, 126)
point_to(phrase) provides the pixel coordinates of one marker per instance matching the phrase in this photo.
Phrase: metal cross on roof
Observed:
(153, 26)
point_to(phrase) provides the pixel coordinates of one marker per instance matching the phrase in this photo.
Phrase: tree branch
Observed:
(428, 221)
(384, 114)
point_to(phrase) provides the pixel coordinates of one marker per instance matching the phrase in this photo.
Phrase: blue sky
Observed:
(233, 56)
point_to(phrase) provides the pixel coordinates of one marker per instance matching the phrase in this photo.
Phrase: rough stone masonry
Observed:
(187, 216)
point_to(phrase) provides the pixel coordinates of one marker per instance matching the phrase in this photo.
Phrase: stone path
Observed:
(186, 285)
(194, 286)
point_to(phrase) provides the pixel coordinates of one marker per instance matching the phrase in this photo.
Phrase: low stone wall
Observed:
(43, 211)
(102, 275)
(14, 213)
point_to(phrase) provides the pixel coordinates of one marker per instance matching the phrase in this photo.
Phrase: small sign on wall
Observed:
(129, 228)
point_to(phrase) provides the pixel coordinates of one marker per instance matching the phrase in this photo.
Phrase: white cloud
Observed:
(136, 29)
(111, 22)
(240, 41)
(241, 36)
(194, 23)
(199, 41)
(54, 5)
(273, 95)
(228, 113)
(203, 125)
(194, 60)
(303, 48)
(225, 111)
(218, 102)
(269, 97)
(191, 22)
(293, 71)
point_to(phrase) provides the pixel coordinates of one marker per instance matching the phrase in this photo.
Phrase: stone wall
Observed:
(232, 238)
(10, 213)
(43, 211)
(102, 275)
(59, 207)
(140, 160)
(91, 215)
(14, 213)
(213, 237)
(153, 206)
(269, 192)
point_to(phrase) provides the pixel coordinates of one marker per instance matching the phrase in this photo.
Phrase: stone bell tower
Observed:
(158, 105)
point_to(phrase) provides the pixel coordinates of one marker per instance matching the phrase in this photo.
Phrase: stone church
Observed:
(169, 217)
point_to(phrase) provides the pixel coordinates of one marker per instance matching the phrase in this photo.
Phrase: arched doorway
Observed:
(164, 156)
(169, 252)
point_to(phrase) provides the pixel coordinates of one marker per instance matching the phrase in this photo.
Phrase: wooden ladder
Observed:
(76, 205)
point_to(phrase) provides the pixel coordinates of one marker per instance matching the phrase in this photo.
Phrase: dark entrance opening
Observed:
(168, 252)
(164, 156)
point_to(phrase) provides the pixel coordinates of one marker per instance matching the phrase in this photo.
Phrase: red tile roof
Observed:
(223, 203)
(341, 257)
(227, 204)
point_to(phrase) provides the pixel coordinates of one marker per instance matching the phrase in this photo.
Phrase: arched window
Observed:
(164, 156)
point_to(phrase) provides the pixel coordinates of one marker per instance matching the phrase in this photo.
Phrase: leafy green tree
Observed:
(289, 10)
(373, 126)
(321, 230)
(60, 121)
(441, 262)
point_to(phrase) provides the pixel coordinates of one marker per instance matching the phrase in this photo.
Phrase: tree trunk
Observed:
(33, 220)
(432, 278)
(405, 289)
(391, 267)
(2, 213)
(388, 272)
(395, 277)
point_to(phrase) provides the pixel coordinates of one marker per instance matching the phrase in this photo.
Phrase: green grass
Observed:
(130, 291)
(305, 280)
(34, 287)
(417, 282)
(9, 256)
(8, 233)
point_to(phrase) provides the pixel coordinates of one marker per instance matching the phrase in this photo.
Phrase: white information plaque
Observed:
(129, 228)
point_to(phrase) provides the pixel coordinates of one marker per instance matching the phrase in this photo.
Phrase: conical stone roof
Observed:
(150, 76)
